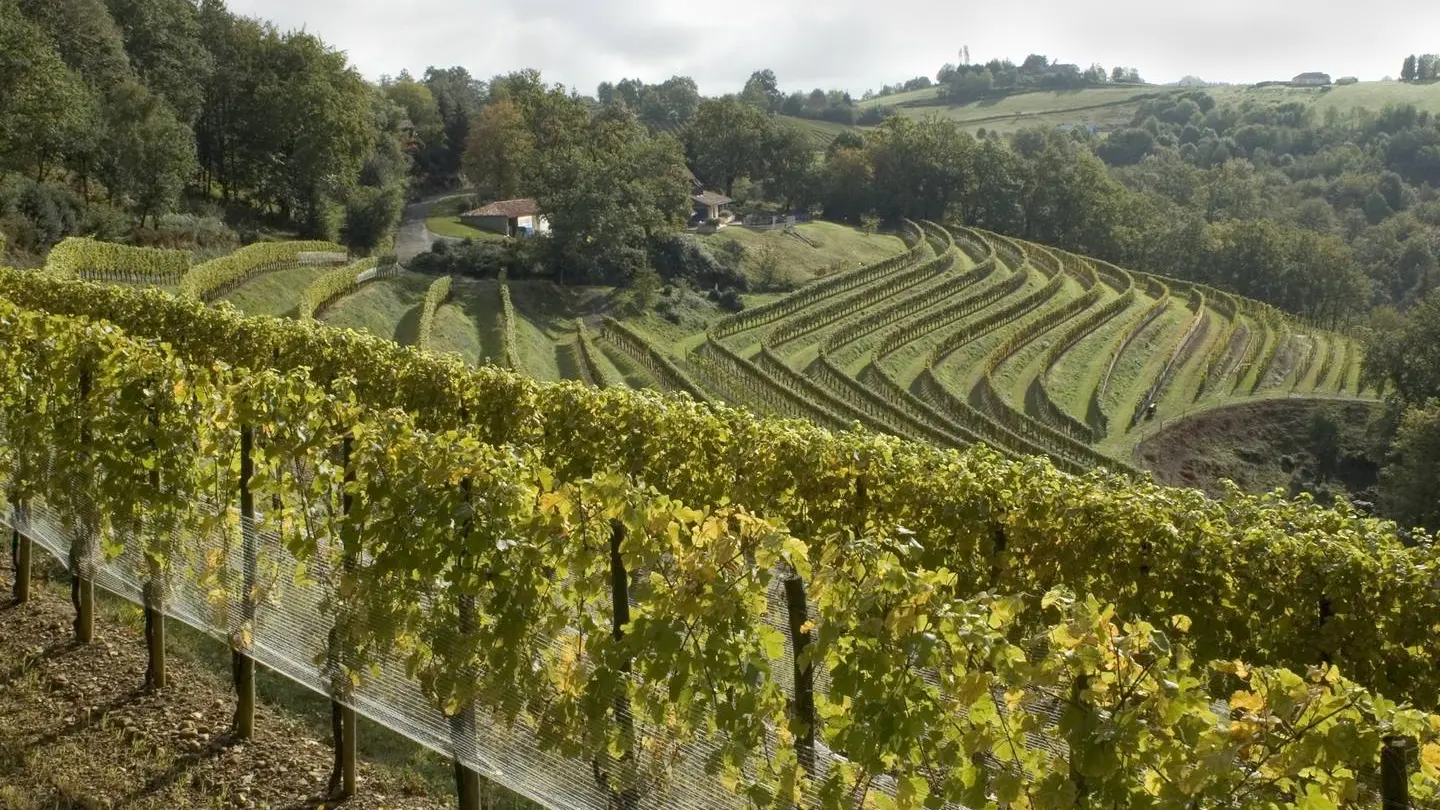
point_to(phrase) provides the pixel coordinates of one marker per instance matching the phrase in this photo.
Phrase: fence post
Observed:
(462, 727)
(462, 723)
(153, 595)
(22, 550)
(623, 794)
(343, 727)
(82, 587)
(802, 709)
(243, 664)
(1394, 774)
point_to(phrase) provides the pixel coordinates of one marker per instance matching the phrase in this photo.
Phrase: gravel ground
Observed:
(78, 731)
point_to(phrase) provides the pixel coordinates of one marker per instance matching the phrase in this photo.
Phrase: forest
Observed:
(178, 123)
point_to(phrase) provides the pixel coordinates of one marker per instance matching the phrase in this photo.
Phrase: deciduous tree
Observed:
(500, 149)
(726, 141)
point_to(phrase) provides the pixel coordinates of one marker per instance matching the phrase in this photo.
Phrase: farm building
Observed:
(1311, 80)
(508, 217)
(710, 204)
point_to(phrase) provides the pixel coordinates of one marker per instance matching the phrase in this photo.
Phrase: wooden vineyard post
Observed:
(624, 795)
(1394, 774)
(82, 586)
(802, 709)
(23, 551)
(1083, 734)
(342, 717)
(462, 723)
(154, 597)
(243, 664)
(462, 727)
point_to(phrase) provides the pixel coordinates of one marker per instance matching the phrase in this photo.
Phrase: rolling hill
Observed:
(1110, 107)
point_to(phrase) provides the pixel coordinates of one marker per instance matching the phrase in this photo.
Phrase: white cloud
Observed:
(857, 44)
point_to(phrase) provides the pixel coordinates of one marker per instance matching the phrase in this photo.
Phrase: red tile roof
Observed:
(524, 207)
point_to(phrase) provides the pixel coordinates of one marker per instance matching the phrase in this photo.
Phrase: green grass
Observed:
(546, 315)
(454, 332)
(1079, 370)
(1104, 106)
(388, 308)
(1363, 95)
(841, 247)
(1111, 107)
(274, 293)
(1140, 364)
(444, 219)
(927, 95)
(1012, 379)
(451, 226)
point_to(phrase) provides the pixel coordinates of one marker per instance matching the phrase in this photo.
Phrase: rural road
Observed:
(414, 238)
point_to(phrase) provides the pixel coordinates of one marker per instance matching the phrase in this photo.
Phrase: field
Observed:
(1111, 107)
(830, 248)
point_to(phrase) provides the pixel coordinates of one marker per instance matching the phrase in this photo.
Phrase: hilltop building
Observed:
(1311, 80)
(520, 217)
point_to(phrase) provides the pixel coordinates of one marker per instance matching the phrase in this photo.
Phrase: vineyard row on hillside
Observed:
(434, 557)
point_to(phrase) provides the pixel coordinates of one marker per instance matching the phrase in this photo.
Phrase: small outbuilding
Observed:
(710, 204)
(520, 217)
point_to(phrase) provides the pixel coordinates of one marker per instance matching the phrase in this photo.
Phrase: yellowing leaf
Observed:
(1248, 701)
(1430, 760)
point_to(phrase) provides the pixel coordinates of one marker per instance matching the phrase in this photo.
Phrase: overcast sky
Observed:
(860, 44)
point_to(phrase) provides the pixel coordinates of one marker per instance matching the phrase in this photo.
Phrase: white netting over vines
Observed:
(289, 631)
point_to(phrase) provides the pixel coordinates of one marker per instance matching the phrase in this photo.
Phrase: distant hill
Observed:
(1114, 106)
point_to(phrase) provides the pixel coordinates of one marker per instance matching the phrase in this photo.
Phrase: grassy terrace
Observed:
(274, 293)
(832, 248)
(860, 351)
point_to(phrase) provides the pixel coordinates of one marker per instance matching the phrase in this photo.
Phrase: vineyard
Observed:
(606, 598)
(964, 337)
(971, 337)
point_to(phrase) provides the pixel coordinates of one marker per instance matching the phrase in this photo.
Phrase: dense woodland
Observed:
(179, 123)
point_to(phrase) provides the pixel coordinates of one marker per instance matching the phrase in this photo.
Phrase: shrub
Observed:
(682, 257)
(475, 258)
(324, 290)
(38, 215)
(110, 224)
(187, 232)
(370, 215)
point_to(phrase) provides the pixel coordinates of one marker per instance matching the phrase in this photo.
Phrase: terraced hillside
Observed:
(963, 336)
(971, 336)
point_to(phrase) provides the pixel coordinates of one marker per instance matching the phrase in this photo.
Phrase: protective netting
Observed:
(288, 634)
(289, 630)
